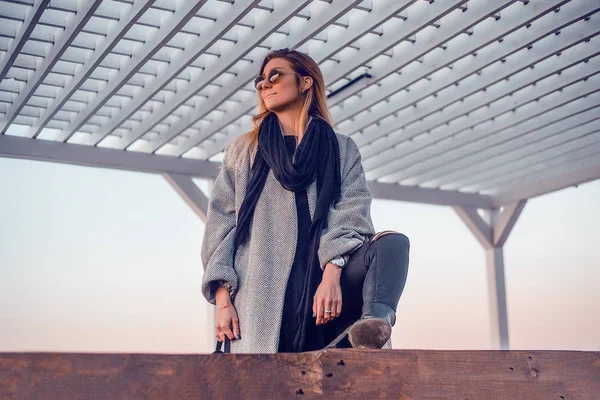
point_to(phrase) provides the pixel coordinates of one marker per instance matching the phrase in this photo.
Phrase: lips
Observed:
(269, 95)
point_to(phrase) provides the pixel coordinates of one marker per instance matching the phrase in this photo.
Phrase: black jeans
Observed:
(376, 272)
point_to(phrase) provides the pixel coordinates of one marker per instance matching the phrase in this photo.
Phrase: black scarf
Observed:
(317, 157)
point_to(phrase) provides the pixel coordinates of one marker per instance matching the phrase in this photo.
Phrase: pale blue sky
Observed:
(109, 261)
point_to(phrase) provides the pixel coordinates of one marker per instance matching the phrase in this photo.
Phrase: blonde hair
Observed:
(313, 102)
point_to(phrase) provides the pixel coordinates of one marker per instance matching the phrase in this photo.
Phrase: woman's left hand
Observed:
(328, 295)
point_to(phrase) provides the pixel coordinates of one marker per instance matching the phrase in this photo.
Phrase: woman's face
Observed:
(278, 92)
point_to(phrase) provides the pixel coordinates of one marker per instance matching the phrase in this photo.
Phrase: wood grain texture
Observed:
(330, 374)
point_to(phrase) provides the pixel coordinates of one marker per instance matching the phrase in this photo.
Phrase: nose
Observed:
(266, 83)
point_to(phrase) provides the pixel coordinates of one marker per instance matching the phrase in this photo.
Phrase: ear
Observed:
(307, 83)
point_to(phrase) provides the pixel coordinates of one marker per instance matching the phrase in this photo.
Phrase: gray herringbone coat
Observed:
(263, 265)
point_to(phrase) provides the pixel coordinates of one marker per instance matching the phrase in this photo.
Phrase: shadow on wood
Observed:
(329, 374)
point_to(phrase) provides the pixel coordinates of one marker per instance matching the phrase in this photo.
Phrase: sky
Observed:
(98, 260)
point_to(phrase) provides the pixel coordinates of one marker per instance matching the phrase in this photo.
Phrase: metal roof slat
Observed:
(22, 35)
(500, 89)
(508, 141)
(296, 38)
(26, 61)
(215, 69)
(384, 11)
(398, 169)
(547, 182)
(46, 91)
(582, 150)
(167, 31)
(433, 62)
(526, 156)
(375, 147)
(403, 58)
(23, 120)
(513, 64)
(553, 102)
(42, 70)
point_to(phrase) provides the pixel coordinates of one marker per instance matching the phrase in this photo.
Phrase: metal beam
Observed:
(280, 15)
(396, 34)
(498, 115)
(506, 221)
(74, 26)
(190, 193)
(22, 35)
(115, 34)
(549, 182)
(387, 191)
(45, 150)
(224, 23)
(171, 27)
(476, 224)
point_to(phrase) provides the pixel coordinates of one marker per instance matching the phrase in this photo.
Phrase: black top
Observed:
(297, 275)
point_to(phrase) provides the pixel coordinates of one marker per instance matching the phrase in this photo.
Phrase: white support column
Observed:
(494, 258)
(492, 235)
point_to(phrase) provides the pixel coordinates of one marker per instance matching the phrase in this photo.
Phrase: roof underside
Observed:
(487, 97)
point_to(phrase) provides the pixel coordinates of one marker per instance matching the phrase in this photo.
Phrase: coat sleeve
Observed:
(349, 221)
(219, 233)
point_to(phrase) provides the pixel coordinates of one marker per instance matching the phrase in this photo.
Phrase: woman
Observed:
(290, 256)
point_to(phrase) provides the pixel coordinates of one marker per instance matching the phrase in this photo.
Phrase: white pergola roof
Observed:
(477, 103)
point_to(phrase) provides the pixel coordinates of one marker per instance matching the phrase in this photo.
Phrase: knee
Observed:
(392, 238)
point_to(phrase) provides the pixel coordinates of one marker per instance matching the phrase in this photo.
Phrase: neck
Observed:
(288, 120)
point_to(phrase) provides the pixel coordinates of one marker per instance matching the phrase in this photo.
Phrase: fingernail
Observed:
(314, 315)
(238, 336)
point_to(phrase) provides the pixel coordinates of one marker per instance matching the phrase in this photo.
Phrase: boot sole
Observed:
(370, 333)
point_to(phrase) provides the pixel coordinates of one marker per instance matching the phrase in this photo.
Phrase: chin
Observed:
(277, 105)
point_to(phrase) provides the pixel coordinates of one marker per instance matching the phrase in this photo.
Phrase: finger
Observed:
(319, 311)
(327, 316)
(228, 332)
(236, 328)
(219, 336)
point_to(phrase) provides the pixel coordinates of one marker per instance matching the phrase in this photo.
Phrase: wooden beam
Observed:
(330, 374)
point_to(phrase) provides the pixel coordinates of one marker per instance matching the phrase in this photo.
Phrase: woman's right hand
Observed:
(226, 318)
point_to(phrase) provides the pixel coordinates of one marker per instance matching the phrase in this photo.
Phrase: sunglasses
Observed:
(273, 77)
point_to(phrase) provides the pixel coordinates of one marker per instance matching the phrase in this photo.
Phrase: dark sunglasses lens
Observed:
(258, 82)
(273, 76)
